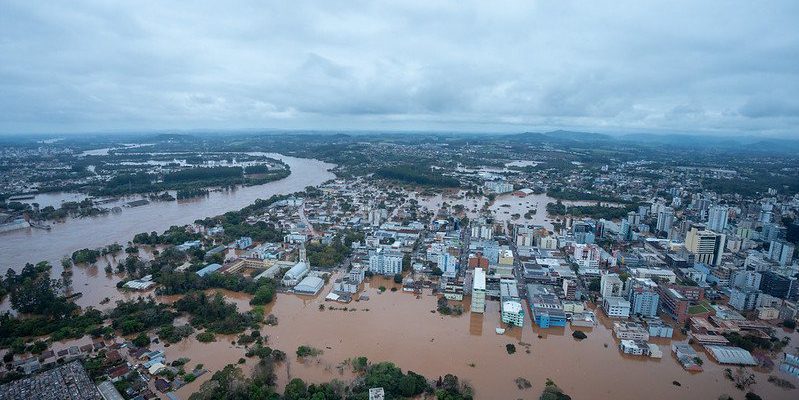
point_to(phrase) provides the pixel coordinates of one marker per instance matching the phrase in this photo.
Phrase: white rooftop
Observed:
(731, 355)
(479, 279)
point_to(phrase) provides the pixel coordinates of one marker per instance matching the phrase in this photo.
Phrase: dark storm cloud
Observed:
(724, 67)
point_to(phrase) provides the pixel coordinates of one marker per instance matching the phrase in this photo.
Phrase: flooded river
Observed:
(400, 328)
(34, 245)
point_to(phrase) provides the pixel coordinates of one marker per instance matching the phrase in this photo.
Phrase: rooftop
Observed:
(731, 355)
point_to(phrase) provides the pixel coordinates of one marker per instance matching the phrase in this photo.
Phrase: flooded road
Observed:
(34, 245)
(400, 328)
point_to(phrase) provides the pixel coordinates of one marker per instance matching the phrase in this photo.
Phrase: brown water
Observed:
(401, 328)
(33, 245)
(505, 206)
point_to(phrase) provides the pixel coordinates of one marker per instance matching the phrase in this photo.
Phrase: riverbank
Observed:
(34, 245)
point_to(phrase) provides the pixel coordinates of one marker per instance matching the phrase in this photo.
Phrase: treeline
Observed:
(596, 211)
(256, 169)
(203, 174)
(577, 195)
(416, 175)
(231, 383)
(191, 193)
(180, 282)
(758, 181)
(84, 208)
(174, 235)
(186, 180)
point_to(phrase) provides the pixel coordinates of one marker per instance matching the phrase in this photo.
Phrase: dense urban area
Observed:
(314, 265)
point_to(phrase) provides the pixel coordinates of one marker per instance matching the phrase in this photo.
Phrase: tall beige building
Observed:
(707, 246)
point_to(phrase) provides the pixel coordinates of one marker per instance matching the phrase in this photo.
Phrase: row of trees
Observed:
(416, 175)
(231, 383)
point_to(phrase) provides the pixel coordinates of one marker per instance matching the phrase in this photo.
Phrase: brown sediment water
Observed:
(401, 328)
(505, 206)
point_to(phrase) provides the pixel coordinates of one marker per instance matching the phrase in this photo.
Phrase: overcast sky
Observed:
(726, 67)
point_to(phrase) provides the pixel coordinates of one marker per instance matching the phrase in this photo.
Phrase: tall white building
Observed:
(665, 220)
(717, 218)
(498, 186)
(385, 262)
(482, 231)
(781, 252)
(587, 255)
(447, 263)
(377, 216)
(479, 291)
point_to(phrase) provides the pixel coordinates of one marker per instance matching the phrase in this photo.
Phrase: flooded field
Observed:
(399, 327)
(507, 207)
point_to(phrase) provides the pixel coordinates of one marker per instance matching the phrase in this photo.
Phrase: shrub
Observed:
(206, 337)
(307, 351)
(141, 340)
(510, 348)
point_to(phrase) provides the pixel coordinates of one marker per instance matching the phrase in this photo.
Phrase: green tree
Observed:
(141, 340)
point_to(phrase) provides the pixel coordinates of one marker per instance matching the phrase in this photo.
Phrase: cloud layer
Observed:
(725, 67)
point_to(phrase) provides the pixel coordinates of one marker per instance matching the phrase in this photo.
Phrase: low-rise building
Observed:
(634, 347)
(658, 328)
(512, 313)
(294, 275)
(545, 306)
(630, 331)
(616, 307)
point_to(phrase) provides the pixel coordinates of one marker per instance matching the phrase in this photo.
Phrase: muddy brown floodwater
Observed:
(401, 328)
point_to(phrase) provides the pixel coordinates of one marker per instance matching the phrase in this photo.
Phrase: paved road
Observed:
(304, 219)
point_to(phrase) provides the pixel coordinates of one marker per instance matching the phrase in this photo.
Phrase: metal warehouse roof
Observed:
(731, 355)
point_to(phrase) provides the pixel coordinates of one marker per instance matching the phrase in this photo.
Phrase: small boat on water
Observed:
(500, 331)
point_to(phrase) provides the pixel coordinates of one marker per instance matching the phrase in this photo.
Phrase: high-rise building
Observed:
(707, 246)
(385, 262)
(665, 220)
(766, 212)
(717, 218)
(633, 218)
(781, 252)
(479, 291)
(447, 263)
(778, 285)
(743, 299)
(377, 216)
(569, 289)
(482, 231)
(643, 297)
(746, 279)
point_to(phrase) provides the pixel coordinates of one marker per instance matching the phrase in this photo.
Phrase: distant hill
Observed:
(578, 136)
